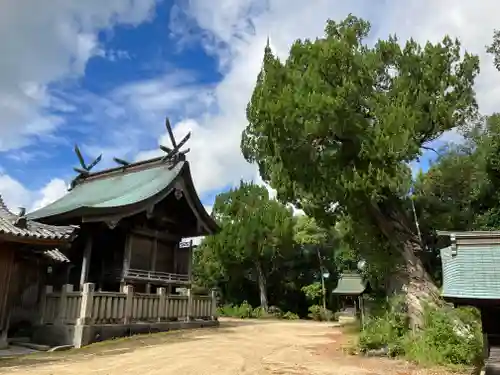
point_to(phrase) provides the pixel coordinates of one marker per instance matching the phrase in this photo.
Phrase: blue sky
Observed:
(105, 74)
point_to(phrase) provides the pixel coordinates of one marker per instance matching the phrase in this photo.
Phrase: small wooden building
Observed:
(132, 219)
(350, 289)
(471, 277)
(27, 249)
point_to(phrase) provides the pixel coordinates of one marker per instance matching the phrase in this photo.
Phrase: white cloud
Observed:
(55, 189)
(236, 31)
(15, 195)
(42, 43)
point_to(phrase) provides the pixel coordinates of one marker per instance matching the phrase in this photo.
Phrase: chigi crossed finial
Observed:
(174, 153)
(85, 168)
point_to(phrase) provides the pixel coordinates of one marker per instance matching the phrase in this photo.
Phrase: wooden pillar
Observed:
(190, 261)
(154, 253)
(175, 267)
(5, 295)
(362, 310)
(87, 253)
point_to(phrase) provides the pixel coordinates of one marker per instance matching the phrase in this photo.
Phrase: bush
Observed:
(243, 311)
(320, 314)
(387, 330)
(290, 316)
(246, 311)
(451, 336)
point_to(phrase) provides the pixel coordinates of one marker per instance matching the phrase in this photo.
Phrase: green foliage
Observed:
(290, 316)
(246, 311)
(320, 314)
(313, 291)
(451, 336)
(338, 120)
(388, 329)
(334, 126)
(256, 233)
(243, 311)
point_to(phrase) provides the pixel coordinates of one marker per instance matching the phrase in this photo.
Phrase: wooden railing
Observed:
(90, 307)
(136, 274)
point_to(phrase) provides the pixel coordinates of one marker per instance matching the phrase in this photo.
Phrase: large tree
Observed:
(256, 231)
(338, 122)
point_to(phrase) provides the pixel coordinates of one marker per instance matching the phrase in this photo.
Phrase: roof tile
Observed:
(32, 229)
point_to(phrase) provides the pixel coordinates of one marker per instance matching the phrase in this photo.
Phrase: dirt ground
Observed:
(237, 347)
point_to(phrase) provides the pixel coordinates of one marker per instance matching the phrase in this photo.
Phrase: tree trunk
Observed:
(419, 287)
(323, 288)
(261, 278)
(416, 284)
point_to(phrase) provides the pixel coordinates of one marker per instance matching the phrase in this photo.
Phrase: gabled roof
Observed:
(470, 234)
(350, 283)
(125, 191)
(471, 272)
(16, 226)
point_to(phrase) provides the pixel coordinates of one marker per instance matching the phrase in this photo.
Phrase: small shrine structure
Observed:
(129, 258)
(28, 250)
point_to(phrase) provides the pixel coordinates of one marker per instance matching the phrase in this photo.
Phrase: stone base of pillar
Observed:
(3, 340)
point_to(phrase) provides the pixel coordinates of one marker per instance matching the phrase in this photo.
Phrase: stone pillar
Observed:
(87, 253)
(82, 333)
(48, 289)
(85, 316)
(4, 343)
(189, 304)
(61, 314)
(162, 304)
(214, 304)
(129, 291)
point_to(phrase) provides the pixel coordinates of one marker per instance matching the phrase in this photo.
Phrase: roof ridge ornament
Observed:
(3, 206)
(85, 168)
(21, 221)
(174, 154)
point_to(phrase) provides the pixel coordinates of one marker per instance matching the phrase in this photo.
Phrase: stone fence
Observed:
(90, 308)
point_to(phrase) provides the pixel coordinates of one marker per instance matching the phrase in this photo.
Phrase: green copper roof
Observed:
(350, 284)
(124, 191)
(121, 189)
(471, 272)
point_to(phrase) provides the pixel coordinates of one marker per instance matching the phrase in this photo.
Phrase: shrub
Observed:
(319, 313)
(243, 311)
(246, 311)
(290, 316)
(451, 336)
(387, 330)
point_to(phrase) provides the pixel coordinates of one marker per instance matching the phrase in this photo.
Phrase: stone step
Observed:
(30, 345)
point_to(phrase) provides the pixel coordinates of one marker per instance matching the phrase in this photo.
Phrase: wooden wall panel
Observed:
(6, 264)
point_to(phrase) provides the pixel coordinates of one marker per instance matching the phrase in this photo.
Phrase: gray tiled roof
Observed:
(32, 229)
(56, 255)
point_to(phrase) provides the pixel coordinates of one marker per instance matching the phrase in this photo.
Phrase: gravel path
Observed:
(239, 347)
